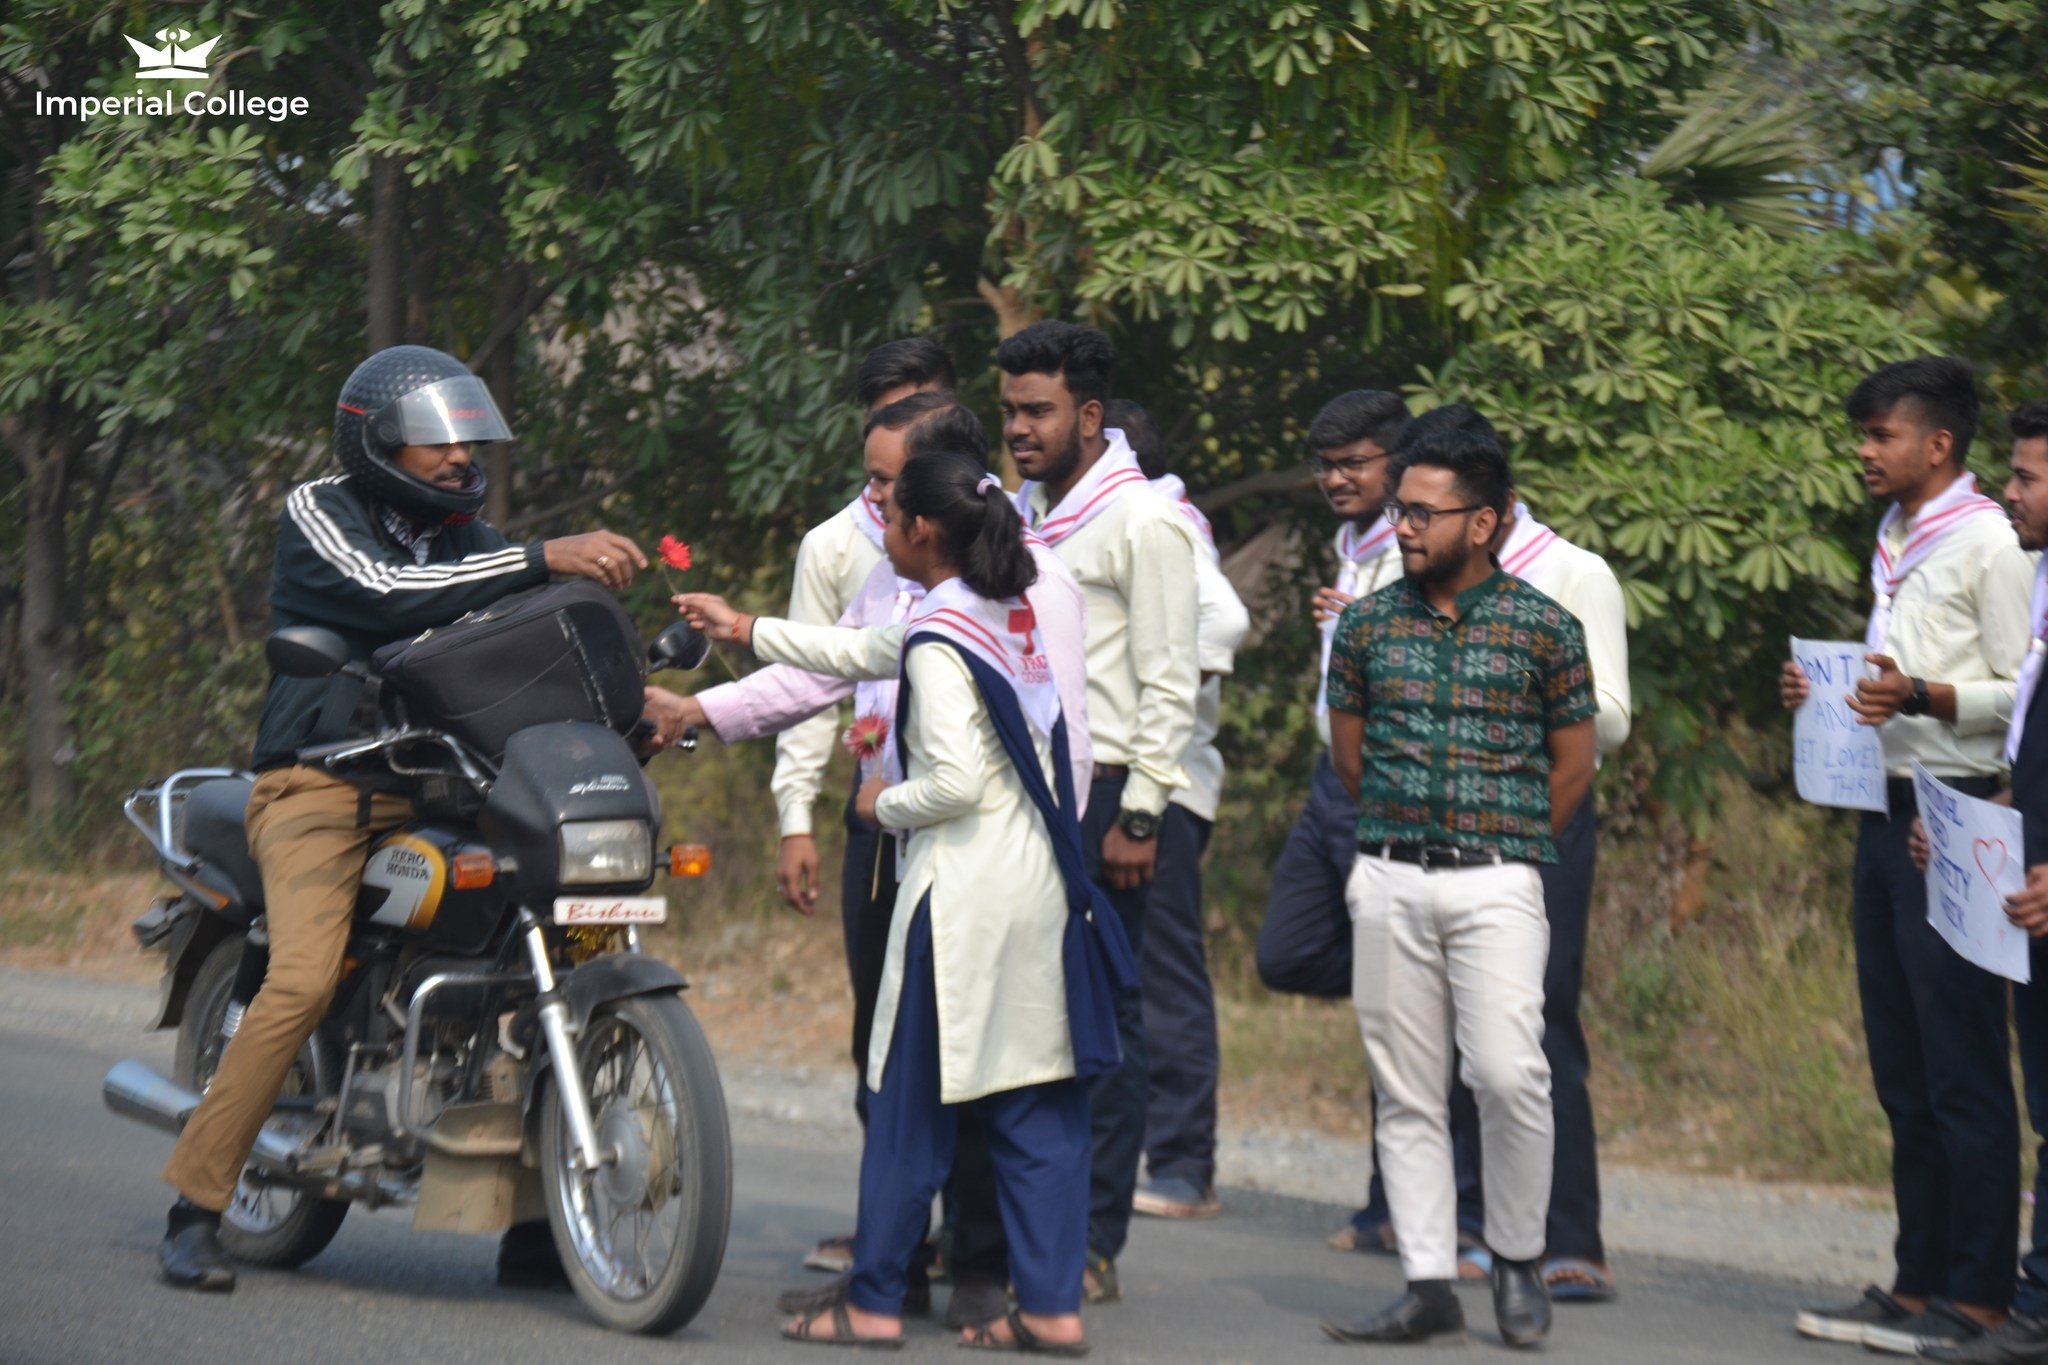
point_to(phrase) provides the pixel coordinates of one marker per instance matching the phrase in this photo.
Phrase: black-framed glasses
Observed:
(1319, 468)
(1398, 512)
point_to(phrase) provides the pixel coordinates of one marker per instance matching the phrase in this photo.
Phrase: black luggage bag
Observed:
(566, 651)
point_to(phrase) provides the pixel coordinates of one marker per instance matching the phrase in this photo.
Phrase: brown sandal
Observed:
(1022, 1340)
(842, 1332)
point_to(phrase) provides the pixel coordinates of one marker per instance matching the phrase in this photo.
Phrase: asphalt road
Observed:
(81, 1211)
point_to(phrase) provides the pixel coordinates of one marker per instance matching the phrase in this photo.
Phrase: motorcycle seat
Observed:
(214, 830)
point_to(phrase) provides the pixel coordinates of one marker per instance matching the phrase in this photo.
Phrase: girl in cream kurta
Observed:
(998, 905)
(974, 1000)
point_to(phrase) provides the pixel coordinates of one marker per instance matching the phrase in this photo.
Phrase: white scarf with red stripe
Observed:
(885, 600)
(1001, 633)
(1114, 473)
(1529, 540)
(1356, 548)
(1176, 492)
(867, 516)
(2030, 668)
(1944, 512)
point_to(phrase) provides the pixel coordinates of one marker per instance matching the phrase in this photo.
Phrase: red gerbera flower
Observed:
(867, 736)
(674, 553)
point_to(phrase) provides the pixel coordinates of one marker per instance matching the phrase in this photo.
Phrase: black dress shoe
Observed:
(976, 1301)
(1413, 1319)
(1521, 1301)
(527, 1259)
(192, 1258)
(2022, 1341)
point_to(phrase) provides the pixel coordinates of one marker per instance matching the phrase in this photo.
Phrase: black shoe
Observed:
(1943, 1324)
(2022, 1341)
(527, 1259)
(191, 1253)
(1521, 1301)
(1848, 1323)
(976, 1301)
(1421, 1319)
(917, 1295)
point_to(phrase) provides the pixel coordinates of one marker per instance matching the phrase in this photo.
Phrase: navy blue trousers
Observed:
(867, 890)
(1038, 1142)
(2030, 1022)
(1117, 1099)
(1180, 1010)
(1936, 1027)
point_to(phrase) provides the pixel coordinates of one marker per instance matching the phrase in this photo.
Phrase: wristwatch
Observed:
(1138, 824)
(1918, 703)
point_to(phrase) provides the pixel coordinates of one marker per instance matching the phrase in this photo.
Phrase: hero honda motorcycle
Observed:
(498, 1044)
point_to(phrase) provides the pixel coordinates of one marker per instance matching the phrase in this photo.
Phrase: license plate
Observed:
(610, 909)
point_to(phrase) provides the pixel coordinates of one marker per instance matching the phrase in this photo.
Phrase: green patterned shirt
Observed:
(1458, 713)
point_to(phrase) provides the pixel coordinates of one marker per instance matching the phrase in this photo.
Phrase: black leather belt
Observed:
(1104, 771)
(1436, 857)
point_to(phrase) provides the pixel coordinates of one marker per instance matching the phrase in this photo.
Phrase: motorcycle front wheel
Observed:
(266, 1224)
(643, 1236)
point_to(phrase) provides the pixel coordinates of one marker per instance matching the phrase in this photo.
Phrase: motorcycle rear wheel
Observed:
(643, 1237)
(266, 1224)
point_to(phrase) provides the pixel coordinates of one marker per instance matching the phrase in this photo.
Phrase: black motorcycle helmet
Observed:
(414, 396)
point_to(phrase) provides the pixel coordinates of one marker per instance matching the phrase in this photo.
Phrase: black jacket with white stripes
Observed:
(338, 567)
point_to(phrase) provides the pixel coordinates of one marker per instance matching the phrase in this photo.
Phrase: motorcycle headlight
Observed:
(606, 852)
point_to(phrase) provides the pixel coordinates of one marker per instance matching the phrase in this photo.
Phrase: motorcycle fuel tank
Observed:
(410, 887)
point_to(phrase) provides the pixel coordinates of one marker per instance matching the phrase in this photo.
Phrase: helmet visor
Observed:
(445, 413)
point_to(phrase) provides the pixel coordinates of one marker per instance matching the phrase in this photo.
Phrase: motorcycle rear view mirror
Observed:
(305, 652)
(680, 646)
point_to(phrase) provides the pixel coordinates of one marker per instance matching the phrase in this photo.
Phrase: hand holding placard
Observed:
(1977, 861)
(1836, 760)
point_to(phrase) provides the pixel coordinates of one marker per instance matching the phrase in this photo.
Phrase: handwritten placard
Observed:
(1836, 759)
(1977, 862)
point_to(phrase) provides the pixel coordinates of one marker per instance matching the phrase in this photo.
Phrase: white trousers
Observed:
(1443, 958)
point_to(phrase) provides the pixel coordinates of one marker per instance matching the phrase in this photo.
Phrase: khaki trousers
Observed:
(305, 839)
(1444, 960)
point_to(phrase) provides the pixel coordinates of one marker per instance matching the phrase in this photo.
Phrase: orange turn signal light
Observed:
(688, 860)
(473, 870)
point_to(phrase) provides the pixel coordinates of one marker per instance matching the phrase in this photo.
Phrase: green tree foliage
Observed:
(1670, 383)
(1204, 175)
(1954, 89)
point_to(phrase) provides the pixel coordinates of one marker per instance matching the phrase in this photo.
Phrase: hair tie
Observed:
(988, 481)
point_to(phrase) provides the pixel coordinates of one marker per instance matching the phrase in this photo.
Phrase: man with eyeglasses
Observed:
(1461, 717)
(1305, 942)
(833, 563)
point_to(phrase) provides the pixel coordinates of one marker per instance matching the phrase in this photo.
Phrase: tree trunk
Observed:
(511, 307)
(1013, 315)
(387, 252)
(49, 638)
(423, 271)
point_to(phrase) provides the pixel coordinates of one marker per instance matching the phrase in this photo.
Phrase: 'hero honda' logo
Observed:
(179, 59)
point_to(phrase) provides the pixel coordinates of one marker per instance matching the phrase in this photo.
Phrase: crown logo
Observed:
(171, 62)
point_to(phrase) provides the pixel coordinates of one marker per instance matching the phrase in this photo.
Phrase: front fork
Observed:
(554, 1023)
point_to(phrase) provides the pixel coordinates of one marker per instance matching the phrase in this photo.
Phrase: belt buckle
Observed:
(1422, 856)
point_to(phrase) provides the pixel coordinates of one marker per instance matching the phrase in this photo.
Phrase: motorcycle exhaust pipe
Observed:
(136, 1091)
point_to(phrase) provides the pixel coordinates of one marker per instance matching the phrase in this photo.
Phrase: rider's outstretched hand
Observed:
(716, 617)
(602, 556)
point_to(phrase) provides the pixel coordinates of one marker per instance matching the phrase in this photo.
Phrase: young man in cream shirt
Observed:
(1180, 997)
(833, 563)
(1134, 556)
(1947, 634)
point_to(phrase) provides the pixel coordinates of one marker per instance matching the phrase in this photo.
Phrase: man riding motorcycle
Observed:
(389, 547)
